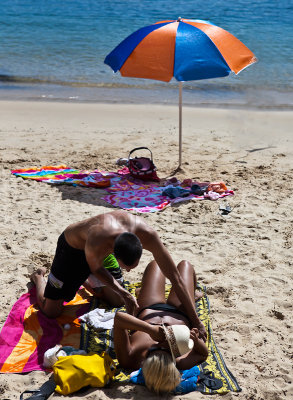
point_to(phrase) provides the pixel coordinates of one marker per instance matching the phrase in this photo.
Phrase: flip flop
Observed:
(43, 393)
(224, 210)
(209, 380)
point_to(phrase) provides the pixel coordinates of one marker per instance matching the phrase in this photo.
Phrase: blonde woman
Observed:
(140, 341)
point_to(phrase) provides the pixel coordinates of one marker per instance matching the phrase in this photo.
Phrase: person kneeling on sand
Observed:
(85, 247)
(157, 320)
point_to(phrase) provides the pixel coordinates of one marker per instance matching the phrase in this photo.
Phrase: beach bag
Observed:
(142, 167)
(72, 373)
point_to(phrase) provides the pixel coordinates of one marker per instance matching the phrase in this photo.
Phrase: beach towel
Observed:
(61, 174)
(102, 340)
(27, 333)
(123, 190)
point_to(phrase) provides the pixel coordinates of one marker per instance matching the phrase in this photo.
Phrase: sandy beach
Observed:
(245, 261)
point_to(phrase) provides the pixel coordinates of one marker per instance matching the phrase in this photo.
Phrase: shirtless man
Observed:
(81, 250)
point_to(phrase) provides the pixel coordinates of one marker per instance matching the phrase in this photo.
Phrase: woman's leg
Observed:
(153, 286)
(189, 279)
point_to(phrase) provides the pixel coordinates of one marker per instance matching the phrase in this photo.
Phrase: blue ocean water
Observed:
(56, 49)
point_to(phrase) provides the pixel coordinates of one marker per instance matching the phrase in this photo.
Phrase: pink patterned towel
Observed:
(124, 191)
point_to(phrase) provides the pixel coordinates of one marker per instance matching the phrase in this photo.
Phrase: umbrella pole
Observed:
(180, 124)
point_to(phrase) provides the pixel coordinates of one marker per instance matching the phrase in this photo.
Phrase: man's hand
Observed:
(130, 303)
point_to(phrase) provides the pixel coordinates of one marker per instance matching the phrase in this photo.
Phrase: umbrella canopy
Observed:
(184, 49)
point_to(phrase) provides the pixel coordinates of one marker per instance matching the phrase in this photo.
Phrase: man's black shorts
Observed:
(69, 271)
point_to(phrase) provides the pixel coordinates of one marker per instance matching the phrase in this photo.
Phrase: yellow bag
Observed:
(71, 373)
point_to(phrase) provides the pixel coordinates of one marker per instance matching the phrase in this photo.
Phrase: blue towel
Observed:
(187, 384)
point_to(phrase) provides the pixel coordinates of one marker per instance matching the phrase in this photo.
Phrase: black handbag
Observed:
(142, 167)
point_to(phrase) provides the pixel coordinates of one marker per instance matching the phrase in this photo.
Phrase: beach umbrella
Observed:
(184, 49)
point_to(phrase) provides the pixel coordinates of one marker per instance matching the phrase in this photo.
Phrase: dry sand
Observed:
(245, 260)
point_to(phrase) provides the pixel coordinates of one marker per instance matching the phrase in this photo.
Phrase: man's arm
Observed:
(95, 256)
(104, 276)
(153, 243)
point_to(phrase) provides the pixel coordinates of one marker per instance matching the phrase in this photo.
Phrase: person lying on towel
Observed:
(87, 247)
(161, 338)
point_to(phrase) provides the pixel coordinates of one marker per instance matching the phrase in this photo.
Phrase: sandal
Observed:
(209, 380)
(43, 393)
(225, 209)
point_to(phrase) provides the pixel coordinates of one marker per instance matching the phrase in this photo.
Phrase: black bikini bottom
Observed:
(163, 307)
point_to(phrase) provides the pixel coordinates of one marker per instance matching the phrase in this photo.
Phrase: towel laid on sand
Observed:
(124, 191)
(98, 341)
(61, 174)
(27, 333)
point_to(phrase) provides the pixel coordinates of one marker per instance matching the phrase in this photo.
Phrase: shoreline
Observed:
(221, 96)
(281, 108)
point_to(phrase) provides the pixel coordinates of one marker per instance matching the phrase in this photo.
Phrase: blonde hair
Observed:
(160, 373)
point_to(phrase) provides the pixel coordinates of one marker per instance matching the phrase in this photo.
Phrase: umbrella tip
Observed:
(179, 19)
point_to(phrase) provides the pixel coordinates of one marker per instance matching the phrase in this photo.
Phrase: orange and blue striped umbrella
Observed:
(184, 49)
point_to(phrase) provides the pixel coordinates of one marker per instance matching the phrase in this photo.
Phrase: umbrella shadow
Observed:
(90, 195)
(85, 195)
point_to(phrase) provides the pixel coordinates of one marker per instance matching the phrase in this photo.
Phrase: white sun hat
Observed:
(178, 337)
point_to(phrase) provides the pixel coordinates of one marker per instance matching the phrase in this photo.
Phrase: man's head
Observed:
(128, 249)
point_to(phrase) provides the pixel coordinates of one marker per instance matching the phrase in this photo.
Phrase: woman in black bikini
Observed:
(146, 346)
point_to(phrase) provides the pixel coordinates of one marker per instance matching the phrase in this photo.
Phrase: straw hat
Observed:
(178, 337)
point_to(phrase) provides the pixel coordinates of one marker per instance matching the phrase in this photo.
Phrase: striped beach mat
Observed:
(102, 340)
(28, 333)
